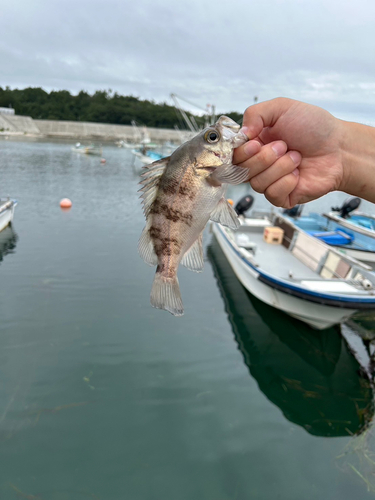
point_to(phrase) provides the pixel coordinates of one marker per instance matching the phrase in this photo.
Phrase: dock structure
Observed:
(25, 125)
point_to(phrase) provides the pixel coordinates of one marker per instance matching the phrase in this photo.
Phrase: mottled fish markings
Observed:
(164, 245)
(169, 186)
(170, 213)
(179, 195)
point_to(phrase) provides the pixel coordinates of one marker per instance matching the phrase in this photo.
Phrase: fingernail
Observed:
(295, 156)
(246, 131)
(296, 172)
(279, 148)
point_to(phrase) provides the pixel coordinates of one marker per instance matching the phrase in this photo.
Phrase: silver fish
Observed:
(180, 194)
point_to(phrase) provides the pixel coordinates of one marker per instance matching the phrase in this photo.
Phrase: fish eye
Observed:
(212, 136)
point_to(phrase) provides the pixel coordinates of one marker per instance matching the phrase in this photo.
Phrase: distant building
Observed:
(7, 111)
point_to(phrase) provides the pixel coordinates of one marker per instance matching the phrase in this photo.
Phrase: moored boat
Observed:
(7, 207)
(146, 156)
(321, 381)
(300, 275)
(92, 149)
(351, 231)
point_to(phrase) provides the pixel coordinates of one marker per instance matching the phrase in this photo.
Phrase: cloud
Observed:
(222, 52)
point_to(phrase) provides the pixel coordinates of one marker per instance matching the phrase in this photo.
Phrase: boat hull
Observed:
(316, 315)
(6, 216)
(362, 255)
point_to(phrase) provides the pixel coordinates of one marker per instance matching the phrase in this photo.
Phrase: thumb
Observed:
(262, 115)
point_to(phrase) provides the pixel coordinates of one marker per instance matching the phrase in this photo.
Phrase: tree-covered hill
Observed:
(102, 107)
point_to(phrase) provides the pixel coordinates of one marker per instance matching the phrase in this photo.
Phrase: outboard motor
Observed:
(349, 206)
(294, 212)
(244, 204)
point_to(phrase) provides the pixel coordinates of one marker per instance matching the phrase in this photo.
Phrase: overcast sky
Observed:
(221, 52)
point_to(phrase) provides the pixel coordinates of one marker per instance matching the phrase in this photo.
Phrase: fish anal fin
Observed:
(225, 214)
(193, 258)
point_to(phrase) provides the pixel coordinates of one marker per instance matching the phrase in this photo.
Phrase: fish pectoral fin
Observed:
(230, 174)
(146, 247)
(150, 182)
(165, 294)
(193, 258)
(225, 215)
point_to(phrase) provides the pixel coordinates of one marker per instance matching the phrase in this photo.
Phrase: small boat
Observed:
(351, 231)
(298, 274)
(92, 149)
(147, 156)
(321, 381)
(7, 207)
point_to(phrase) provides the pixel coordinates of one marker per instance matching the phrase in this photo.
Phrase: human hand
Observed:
(294, 154)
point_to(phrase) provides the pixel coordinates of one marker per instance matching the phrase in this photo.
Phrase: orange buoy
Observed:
(65, 203)
(230, 202)
(103, 160)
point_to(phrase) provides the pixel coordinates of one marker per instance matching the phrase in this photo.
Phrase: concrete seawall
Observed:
(16, 124)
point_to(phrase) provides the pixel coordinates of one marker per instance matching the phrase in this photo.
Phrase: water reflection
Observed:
(8, 240)
(313, 377)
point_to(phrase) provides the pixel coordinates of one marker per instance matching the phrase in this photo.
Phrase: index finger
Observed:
(246, 151)
(264, 114)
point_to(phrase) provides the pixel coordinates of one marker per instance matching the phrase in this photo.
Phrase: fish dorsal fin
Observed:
(150, 182)
(225, 215)
(193, 258)
(230, 174)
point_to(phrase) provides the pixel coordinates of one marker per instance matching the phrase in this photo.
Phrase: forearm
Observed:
(358, 160)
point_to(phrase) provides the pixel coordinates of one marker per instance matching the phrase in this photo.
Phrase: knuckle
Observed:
(256, 184)
(273, 195)
(266, 156)
(287, 164)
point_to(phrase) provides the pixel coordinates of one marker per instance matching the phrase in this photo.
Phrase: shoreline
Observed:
(16, 125)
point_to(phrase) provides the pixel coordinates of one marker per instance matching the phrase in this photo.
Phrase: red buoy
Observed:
(65, 203)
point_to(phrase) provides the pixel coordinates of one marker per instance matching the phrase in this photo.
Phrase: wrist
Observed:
(346, 150)
(357, 148)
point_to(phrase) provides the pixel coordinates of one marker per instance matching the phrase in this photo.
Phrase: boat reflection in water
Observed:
(8, 240)
(312, 376)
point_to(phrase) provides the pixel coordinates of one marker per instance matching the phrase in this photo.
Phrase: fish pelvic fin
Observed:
(150, 182)
(225, 214)
(193, 258)
(146, 247)
(165, 294)
(230, 174)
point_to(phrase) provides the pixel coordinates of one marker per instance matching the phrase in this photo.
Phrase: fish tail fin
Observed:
(165, 294)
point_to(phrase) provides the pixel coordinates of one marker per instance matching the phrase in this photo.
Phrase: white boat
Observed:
(303, 276)
(344, 227)
(92, 149)
(7, 207)
(145, 156)
(321, 382)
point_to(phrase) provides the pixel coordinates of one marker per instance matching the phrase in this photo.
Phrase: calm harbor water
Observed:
(103, 397)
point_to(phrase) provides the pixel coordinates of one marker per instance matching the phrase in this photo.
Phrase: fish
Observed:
(180, 194)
